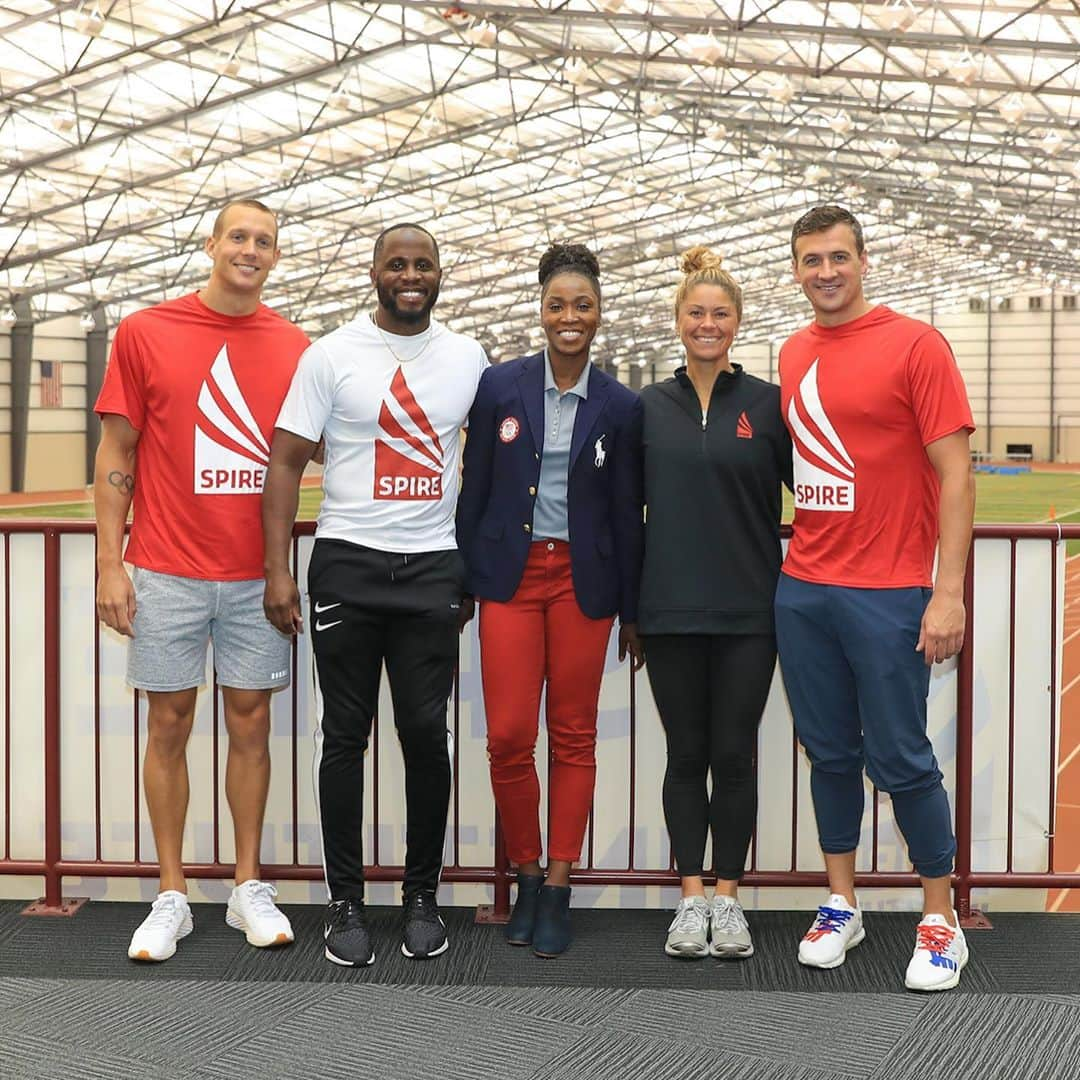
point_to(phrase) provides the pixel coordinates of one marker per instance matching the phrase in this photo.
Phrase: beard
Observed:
(387, 301)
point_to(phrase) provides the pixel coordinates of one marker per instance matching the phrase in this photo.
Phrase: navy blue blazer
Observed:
(604, 488)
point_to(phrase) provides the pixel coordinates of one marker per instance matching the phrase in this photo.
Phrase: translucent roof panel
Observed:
(640, 127)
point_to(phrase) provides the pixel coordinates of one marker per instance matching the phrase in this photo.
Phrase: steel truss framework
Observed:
(637, 126)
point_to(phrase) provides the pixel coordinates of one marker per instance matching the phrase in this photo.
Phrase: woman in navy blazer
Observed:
(550, 525)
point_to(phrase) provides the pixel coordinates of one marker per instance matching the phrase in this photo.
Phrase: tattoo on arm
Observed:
(123, 482)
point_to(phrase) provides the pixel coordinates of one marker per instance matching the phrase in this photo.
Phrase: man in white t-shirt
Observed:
(389, 392)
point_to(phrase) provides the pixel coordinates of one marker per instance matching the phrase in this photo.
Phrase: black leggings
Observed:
(710, 691)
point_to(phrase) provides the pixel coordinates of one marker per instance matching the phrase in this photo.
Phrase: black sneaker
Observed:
(425, 932)
(348, 941)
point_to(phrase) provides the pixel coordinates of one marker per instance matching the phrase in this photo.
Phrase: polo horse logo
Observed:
(601, 453)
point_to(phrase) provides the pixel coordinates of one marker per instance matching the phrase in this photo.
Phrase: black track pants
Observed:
(710, 691)
(368, 607)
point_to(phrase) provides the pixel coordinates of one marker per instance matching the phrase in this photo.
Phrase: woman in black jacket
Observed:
(716, 452)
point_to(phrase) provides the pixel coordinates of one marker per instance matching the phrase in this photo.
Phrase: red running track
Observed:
(1067, 827)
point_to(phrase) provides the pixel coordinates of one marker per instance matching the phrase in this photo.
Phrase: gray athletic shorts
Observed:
(176, 616)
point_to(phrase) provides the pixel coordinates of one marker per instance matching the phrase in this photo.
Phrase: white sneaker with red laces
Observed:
(836, 928)
(940, 955)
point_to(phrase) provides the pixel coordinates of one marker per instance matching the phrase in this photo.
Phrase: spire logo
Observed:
(824, 471)
(409, 458)
(231, 454)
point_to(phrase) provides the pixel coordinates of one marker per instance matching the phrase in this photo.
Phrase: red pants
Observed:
(541, 634)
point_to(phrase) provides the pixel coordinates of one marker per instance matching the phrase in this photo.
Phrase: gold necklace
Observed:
(390, 348)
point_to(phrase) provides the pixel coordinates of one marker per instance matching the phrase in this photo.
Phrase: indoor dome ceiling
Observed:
(640, 127)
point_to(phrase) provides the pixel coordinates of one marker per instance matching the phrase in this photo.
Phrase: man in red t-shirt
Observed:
(880, 427)
(187, 409)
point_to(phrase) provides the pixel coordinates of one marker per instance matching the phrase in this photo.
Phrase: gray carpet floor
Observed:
(613, 1008)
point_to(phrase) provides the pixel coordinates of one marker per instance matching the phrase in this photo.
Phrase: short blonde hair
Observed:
(702, 266)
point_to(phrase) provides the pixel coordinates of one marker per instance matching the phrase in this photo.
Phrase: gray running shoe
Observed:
(729, 930)
(688, 934)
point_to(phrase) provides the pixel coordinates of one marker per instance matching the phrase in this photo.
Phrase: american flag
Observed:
(52, 384)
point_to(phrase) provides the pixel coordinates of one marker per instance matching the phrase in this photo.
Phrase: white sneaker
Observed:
(169, 920)
(252, 909)
(729, 931)
(688, 934)
(940, 955)
(837, 928)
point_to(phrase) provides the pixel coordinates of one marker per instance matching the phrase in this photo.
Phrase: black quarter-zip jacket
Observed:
(713, 505)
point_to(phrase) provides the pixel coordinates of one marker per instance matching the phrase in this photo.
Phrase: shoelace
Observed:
(346, 914)
(831, 920)
(261, 895)
(728, 917)
(689, 919)
(163, 912)
(936, 939)
(424, 906)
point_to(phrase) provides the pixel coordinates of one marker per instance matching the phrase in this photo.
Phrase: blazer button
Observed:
(527, 527)
(532, 490)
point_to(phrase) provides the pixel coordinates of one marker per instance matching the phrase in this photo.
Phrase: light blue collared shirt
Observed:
(560, 409)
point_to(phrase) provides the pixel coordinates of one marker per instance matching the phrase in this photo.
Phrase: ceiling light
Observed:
(610, 5)
(341, 99)
(964, 190)
(1059, 243)
(704, 47)
(87, 322)
(481, 34)
(985, 248)
(898, 15)
(652, 104)
(1042, 234)
(991, 206)
(576, 72)
(963, 69)
(1017, 221)
(1021, 265)
(1076, 169)
(1011, 109)
(1051, 143)
(91, 22)
(814, 174)
(228, 65)
(885, 207)
(769, 155)
(965, 240)
(941, 229)
(781, 91)
(841, 123)
(63, 121)
(928, 170)
(913, 219)
(652, 249)
(8, 317)
(716, 132)
(890, 149)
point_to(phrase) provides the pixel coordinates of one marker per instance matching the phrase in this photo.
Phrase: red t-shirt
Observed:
(203, 389)
(862, 401)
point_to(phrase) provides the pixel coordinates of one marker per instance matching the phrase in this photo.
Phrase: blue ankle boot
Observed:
(551, 932)
(519, 930)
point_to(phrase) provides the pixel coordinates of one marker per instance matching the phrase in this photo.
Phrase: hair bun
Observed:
(561, 258)
(700, 258)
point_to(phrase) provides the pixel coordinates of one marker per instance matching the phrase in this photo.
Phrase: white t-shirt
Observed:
(391, 409)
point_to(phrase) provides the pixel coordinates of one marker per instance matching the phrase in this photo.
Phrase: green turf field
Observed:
(1024, 498)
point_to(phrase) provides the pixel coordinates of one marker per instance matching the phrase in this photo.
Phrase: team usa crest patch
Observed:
(509, 429)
